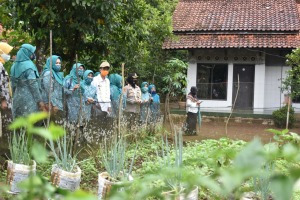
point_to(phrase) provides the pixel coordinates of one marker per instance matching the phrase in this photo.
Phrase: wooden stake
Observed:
(121, 102)
(51, 87)
(236, 95)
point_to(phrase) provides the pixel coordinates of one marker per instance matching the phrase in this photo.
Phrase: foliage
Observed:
(175, 81)
(280, 116)
(37, 187)
(19, 149)
(291, 84)
(129, 31)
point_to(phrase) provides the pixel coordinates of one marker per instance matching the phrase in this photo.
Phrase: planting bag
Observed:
(104, 185)
(65, 180)
(17, 173)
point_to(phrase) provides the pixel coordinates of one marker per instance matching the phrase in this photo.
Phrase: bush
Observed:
(279, 117)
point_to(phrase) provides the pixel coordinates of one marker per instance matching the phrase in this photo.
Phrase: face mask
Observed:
(57, 67)
(88, 80)
(104, 72)
(144, 89)
(5, 57)
(80, 72)
(153, 92)
(32, 57)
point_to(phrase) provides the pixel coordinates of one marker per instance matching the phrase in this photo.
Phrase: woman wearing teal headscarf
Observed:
(154, 104)
(89, 94)
(72, 91)
(115, 93)
(56, 86)
(24, 76)
(145, 102)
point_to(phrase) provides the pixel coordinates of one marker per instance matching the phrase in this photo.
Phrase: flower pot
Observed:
(17, 173)
(104, 184)
(65, 180)
(192, 195)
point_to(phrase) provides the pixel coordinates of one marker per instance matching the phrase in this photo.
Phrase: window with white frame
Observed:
(212, 81)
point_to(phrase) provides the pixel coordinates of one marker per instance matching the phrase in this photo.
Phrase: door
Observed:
(245, 87)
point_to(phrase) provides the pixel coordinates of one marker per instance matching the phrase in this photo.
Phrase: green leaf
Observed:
(80, 195)
(56, 131)
(282, 187)
(42, 132)
(39, 153)
(18, 123)
(36, 117)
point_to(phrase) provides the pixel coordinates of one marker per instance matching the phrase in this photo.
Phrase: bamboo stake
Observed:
(50, 89)
(80, 109)
(236, 95)
(288, 113)
(121, 102)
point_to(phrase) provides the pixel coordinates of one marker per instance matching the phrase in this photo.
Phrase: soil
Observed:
(236, 130)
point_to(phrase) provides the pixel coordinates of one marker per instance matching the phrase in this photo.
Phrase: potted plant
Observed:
(114, 161)
(174, 186)
(20, 166)
(65, 172)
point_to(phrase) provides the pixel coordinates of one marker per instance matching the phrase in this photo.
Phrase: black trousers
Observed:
(191, 123)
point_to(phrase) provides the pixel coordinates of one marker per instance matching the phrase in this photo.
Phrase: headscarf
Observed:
(143, 88)
(115, 81)
(154, 95)
(57, 75)
(85, 77)
(73, 73)
(193, 94)
(23, 61)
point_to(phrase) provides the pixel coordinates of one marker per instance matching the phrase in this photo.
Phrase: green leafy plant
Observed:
(176, 81)
(19, 149)
(38, 187)
(173, 183)
(114, 158)
(63, 154)
(280, 116)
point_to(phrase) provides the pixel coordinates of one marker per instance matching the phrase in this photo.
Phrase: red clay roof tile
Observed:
(257, 15)
(233, 41)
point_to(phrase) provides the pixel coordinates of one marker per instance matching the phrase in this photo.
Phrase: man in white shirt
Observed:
(101, 82)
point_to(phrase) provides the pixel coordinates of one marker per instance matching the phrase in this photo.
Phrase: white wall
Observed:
(274, 98)
(213, 105)
(259, 87)
(223, 105)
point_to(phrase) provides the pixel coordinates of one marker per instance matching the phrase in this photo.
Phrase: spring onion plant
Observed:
(174, 183)
(114, 158)
(19, 148)
(63, 154)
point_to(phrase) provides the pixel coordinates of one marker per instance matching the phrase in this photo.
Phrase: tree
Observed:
(291, 84)
(130, 31)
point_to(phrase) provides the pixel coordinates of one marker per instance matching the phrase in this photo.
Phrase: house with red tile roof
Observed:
(237, 50)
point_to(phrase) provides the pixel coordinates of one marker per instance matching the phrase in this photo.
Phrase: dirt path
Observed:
(243, 130)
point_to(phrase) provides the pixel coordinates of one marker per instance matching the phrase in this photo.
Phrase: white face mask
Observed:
(5, 57)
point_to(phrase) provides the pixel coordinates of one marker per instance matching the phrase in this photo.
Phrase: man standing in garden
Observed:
(102, 83)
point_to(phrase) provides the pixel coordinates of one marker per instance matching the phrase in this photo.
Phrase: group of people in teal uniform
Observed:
(150, 105)
(83, 91)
